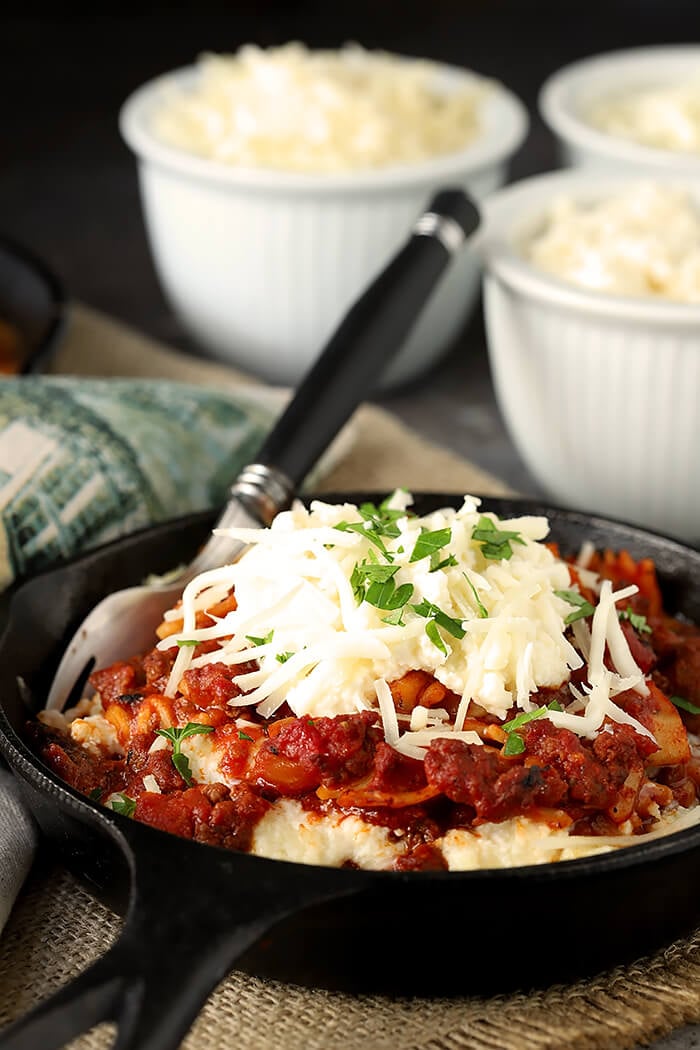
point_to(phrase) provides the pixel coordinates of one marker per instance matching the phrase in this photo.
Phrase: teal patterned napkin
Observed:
(83, 461)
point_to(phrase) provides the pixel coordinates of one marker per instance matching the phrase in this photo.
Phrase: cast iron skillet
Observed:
(32, 298)
(193, 912)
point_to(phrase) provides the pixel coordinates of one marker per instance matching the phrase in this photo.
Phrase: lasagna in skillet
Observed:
(370, 688)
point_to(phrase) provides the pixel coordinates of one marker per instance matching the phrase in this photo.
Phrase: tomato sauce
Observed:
(343, 764)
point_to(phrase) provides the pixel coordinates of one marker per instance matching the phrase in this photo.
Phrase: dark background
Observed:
(68, 184)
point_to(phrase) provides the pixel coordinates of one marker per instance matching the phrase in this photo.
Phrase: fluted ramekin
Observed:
(261, 265)
(566, 96)
(599, 392)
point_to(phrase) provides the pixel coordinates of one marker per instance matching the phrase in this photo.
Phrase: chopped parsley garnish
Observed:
(187, 641)
(374, 583)
(582, 606)
(522, 719)
(429, 543)
(123, 804)
(256, 640)
(366, 573)
(685, 705)
(96, 794)
(495, 543)
(434, 612)
(176, 735)
(244, 736)
(388, 596)
(283, 657)
(445, 563)
(638, 621)
(437, 618)
(377, 525)
(481, 608)
(515, 745)
(367, 532)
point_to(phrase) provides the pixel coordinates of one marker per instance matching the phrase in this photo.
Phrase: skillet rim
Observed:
(117, 826)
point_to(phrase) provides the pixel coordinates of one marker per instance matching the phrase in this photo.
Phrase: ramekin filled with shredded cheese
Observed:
(637, 109)
(592, 307)
(277, 182)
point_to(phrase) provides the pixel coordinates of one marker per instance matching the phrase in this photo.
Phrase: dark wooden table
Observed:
(68, 184)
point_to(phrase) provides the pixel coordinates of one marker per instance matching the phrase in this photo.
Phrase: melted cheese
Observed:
(288, 832)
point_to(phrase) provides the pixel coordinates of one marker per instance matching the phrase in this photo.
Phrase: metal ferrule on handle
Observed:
(263, 490)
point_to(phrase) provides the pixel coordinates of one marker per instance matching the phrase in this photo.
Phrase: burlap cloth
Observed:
(56, 928)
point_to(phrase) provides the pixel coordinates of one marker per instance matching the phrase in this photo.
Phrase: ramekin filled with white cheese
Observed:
(636, 110)
(592, 309)
(276, 183)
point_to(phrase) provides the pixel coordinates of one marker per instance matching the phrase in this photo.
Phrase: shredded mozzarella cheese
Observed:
(664, 116)
(491, 629)
(642, 241)
(294, 109)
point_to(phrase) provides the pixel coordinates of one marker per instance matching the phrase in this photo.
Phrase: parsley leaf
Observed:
(388, 596)
(96, 794)
(123, 804)
(583, 607)
(283, 657)
(257, 640)
(495, 543)
(436, 564)
(244, 736)
(481, 608)
(524, 718)
(434, 612)
(176, 735)
(638, 621)
(514, 745)
(431, 629)
(685, 705)
(436, 617)
(367, 532)
(378, 524)
(428, 543)
(365, 573)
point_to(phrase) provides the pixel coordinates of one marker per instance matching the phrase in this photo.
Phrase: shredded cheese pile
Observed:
(641, 241)
(334, 602)
(663, 116)
(294, 109)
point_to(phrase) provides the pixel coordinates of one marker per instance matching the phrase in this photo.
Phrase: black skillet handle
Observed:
(368, 337)
(193, 912)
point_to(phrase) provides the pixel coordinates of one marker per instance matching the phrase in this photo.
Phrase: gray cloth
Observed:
(18, 840)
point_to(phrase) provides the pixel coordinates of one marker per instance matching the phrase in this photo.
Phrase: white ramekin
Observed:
(567, 94)
(599, 392)
(261, 265)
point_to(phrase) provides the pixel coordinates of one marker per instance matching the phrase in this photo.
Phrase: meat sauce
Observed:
(342, 764)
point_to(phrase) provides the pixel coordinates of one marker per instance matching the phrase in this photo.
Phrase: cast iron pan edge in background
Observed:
(196, 911)
(33, 300)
